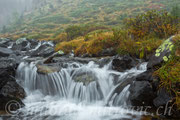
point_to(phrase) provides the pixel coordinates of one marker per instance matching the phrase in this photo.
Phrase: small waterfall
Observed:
(83, 84)
(93, 83)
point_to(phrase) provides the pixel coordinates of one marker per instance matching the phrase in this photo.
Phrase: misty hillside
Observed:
(9, 9)
(47, 18)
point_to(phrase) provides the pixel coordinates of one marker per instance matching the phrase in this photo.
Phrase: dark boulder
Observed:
(104, 61)
(5, 52)
(10, 104)
(7, 66)
(8, 85)
(11, 88)
(74, 59)
(107, 52)
(123, 63)
(4, 42)
(120, 85)
(141, 93)
(163, 97)
(145, 76)
(33, 43)
(43, 51)
(21, 44)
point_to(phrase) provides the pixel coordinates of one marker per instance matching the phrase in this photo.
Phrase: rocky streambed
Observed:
(33, 74)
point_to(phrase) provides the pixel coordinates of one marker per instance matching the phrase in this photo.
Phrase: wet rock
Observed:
(162, 54)
(56, 54)
(33, 43)
(4, 42)
(120, 85)
(84, 77)
(104, 61)
(123, 63)
(43, 69)
(21, 44)
(7, 66)
(163, 97)
(11, 103)
(74, 59)
(5, 52)
(43, 51)
(107, 52)
(8, 85)
(32, 59)
(145, 76)
(11, 88)
(141, 93)
(22, 41)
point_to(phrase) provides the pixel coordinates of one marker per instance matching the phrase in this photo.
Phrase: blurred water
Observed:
(57, 96)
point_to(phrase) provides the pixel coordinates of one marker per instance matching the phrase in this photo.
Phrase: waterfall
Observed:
(78, 88)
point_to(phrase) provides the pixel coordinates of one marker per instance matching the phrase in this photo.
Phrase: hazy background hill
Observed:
(9, 8)
(45, 19)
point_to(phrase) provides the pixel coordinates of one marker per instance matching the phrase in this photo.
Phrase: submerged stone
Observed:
(84, 77)
(43, 69)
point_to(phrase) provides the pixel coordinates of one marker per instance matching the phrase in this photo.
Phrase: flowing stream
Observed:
(77, 92)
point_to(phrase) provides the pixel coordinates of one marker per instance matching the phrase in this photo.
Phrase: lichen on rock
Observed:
(166, 46)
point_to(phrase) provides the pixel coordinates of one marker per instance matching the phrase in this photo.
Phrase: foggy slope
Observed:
(47, 18)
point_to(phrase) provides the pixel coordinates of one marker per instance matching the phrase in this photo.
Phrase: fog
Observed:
(10, 7)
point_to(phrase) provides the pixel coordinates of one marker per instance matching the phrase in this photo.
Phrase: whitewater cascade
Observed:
(76, 92)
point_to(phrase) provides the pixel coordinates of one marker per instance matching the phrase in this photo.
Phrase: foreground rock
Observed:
(9, 104)
(9, 89)
(123, 63)
(141, 93)
(12, 53)
(146, 90)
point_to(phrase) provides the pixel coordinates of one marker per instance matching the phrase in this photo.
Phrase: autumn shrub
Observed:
(95, 45)
(73, 32)
(68, 46)
(60, 38)
(100, 42)
(158, 23)
(140, 48)
(82, 49)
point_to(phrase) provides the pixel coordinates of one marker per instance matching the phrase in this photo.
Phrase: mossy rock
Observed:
(162, 54)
